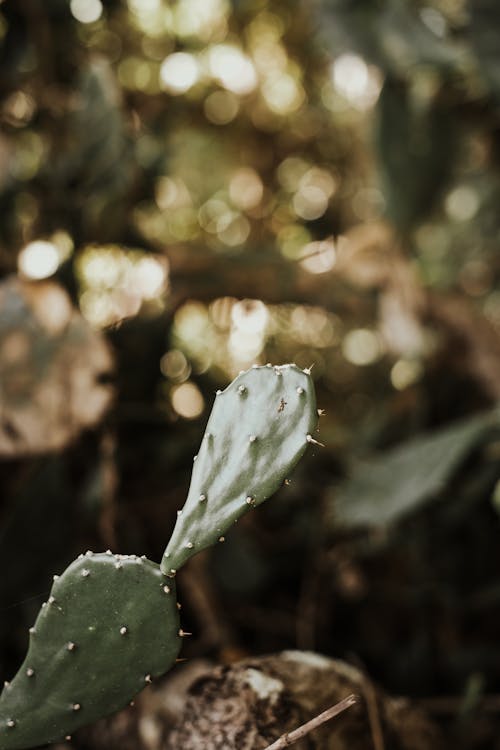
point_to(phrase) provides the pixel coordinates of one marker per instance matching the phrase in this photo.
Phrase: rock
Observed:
(250, 704)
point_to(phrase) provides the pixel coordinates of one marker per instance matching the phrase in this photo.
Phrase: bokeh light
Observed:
(282, 93)
(310, 202)
(38, 260)
(179, 72)
(201, 19)
(116, 282)
(247, 336)
(462, 203)
(232, 334)
(361, 347)
(405, 372)
(175, 366)
(319, 257)
(187, 400)
(358, 82)
(221, 107)
(86, 11)
(232, 69)
(245, 188)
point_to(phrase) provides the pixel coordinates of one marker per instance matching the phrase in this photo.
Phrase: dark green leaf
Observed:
(383, 489)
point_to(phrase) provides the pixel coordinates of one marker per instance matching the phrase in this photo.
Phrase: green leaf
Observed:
(485, 40)
(415, 144)
(384, 489)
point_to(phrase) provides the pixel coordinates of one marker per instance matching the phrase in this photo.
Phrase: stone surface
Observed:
(249, 705)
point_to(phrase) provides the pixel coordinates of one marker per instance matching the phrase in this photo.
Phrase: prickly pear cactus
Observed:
(258, 429)
(109, 626)
(111, 621)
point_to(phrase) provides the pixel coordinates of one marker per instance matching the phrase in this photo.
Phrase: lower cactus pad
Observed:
(109, 626)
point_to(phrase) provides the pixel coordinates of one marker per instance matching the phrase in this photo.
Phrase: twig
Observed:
(373, 715)
(310, 585)
(109, 475)
(290, 737)
(201, 598)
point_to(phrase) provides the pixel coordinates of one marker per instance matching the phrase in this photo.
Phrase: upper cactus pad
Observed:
(109, 625)
(258, 429)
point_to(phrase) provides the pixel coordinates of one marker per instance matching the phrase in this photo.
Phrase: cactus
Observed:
(109, 626)
(259, 428)
(111, 621)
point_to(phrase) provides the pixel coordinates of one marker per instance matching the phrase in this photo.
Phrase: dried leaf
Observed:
(51, 366)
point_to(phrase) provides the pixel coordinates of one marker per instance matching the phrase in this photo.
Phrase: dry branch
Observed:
(290, 737)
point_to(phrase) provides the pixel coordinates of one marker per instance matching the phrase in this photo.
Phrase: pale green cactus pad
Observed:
(258, 429)
(109, 626)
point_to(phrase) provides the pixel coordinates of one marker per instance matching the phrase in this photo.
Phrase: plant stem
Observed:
(290, 737)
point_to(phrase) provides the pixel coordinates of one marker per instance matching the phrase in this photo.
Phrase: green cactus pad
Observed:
(109, 626)
(258, 429)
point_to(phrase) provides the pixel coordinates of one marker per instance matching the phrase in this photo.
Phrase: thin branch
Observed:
(373, 715)
(290, 737)
(201, 597)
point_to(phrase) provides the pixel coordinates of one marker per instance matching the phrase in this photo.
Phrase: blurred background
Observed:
(188, 187)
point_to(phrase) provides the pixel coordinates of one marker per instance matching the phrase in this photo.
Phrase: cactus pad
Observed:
(109, 626)
(258, 429)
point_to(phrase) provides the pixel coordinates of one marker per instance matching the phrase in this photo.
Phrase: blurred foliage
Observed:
(382, 490)
(52, 369)
(215, 184)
